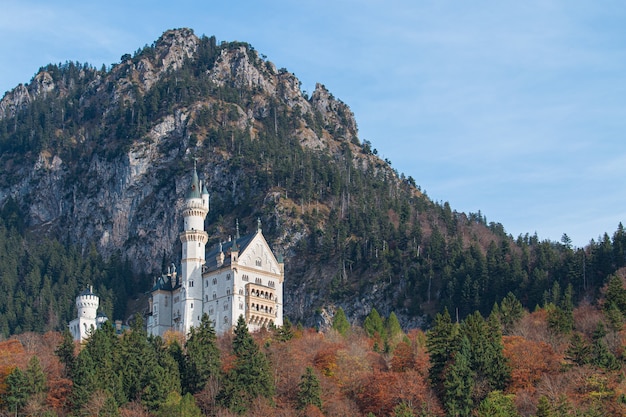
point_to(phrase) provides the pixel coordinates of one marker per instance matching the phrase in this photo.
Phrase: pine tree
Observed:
(373, 324)
(250, 377)
(17, 390)
(510, 312)
(65, 352)
(84, 379)
(285, 332)
(35, 376)
(442, 341)
(340, 322)
(458, 383)
(309, 390)
(109, 408)
(392, 326)
(202, 357)
(497, 405)
(578, 350)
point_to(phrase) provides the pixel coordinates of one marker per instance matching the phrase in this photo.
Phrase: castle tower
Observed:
(193, 239)
(87, 319)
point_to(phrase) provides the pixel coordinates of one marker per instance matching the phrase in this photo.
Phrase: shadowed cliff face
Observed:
(102, 157)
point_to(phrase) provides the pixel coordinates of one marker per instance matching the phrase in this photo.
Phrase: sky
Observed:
(513, 108)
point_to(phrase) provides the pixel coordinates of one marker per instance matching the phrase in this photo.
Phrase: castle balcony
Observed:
(260, 304)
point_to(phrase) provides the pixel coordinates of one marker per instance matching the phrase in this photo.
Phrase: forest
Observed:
(435, 312)
(558, 360)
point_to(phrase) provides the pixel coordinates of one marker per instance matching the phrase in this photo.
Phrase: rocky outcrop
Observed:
(127, 197)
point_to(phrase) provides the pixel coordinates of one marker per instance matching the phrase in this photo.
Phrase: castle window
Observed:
(198, 244)
(225, 307)
(191, 306)
(271, 284)
(258, 262)
(228, 291)
(206, 282)
(214, 281)
(214, 295)
(166, 298)
(240, 291)
(176, 299)
(258, 281)
(228, 276)
(244, 277)
(190, 284)
(240, 306)
(225, 320)
(211, 311)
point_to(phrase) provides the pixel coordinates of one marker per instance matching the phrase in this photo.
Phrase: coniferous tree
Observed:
(392, 326)
(340, 322)
(497, 404)
(309, 390)
(65, 352)
(373, 324)
(578, 350)
(285, 332)
(250, 376)
(84, 379)
(442, 341)
(35, 376)
(458, 383)
(17, 390)
(202, 357)
(510, 312)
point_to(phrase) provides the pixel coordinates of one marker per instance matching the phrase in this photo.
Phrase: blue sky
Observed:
(517, 109)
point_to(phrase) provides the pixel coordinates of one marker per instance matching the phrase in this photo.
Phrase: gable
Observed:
(258, 255)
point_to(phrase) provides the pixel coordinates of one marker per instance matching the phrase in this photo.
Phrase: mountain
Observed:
(98, 160)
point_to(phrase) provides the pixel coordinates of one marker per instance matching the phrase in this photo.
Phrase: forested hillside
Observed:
(94, 163)
(558, 361)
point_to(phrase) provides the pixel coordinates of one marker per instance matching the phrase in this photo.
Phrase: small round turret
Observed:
(87, 304)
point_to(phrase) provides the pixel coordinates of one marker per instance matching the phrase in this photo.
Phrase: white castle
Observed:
(88, 318)
(240, 277)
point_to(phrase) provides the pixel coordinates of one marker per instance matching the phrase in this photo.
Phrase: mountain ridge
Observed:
(101, 158)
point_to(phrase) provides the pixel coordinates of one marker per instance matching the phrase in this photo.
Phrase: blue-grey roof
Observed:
(194, 188)
(86, 292)
(241, 245)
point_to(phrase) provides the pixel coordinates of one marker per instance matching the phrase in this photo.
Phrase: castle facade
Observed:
(239, 277)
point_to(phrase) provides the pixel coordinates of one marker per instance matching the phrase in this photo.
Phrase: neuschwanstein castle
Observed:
(239, 277)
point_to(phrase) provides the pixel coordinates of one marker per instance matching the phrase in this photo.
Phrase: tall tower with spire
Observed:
(239, 277)
(193, 239)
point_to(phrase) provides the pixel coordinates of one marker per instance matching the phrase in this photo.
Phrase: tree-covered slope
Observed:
(97, 160)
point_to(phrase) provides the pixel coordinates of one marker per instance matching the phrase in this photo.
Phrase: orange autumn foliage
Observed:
(12, 355)
(529, 361)
(382, 391)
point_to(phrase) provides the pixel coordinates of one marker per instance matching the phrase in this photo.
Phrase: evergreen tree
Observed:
(17, 390)
(340, 322)
(544, 408)
(403, 410)
(392, 326)
(510, 312)
(458, 383)
(250, 376)
(65, 352)
(137, 361)
(442, 341)
(175, 405)
(309, 390)
(373, 325)
(84, 379)
(285, 332)
(497, 405)
(35, 376)
(578, 350)
(202, 357)
(109, 408)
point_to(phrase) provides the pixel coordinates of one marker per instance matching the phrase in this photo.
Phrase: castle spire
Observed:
(194, 189)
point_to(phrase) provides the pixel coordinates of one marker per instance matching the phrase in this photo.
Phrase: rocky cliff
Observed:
(103, 156)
